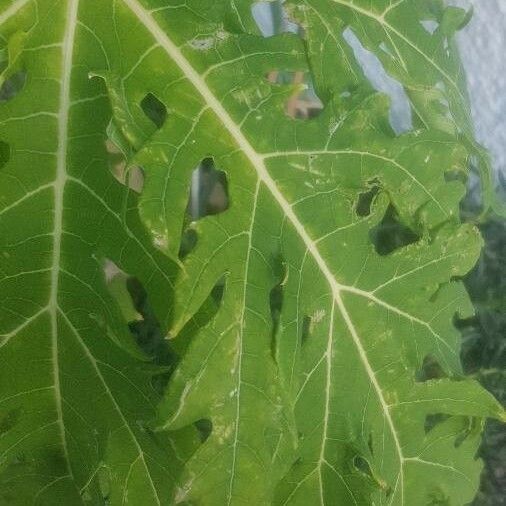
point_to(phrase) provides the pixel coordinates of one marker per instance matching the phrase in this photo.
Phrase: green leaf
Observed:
(338, 258)
(76, 393)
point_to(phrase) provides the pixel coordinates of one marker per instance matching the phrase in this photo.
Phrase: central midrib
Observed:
(58, 189)
(257, 162)
(61, 178)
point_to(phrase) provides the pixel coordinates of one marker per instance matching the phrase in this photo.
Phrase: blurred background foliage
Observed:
(484, 351)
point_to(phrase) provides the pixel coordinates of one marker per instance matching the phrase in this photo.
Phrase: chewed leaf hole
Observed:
(133, 302)
(391, 234)
(304, 103)
(431, 369)
(365, 200)
(154, 109)
(272, 18)
(129, 176)
(5, 153)
(146, 329)
(400, 108)
(429, 25)
(209, 190)
(12, 86)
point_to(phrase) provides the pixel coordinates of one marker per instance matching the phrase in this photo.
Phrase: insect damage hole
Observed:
(118, 153)
(391, 234)
(133, 302)
(154, 109)
(429, 25)
(272, 18)
(430, 369)
(400, 108)
(304, 103)
(209, 191)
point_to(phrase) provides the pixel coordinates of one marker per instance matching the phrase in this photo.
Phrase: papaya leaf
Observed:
(313, 314)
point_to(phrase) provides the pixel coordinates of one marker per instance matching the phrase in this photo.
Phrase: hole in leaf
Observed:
(303, 104)
(147, 330)
(431, 369)
(365, 200)
(12, 86)
(391, 234)
(306, 329)
(430, 25)
(209, 190)
(204, 428)
(400, 108)
(5, 153)
(132, 299)
(272, 18)
(129, 176)
(154, 109)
